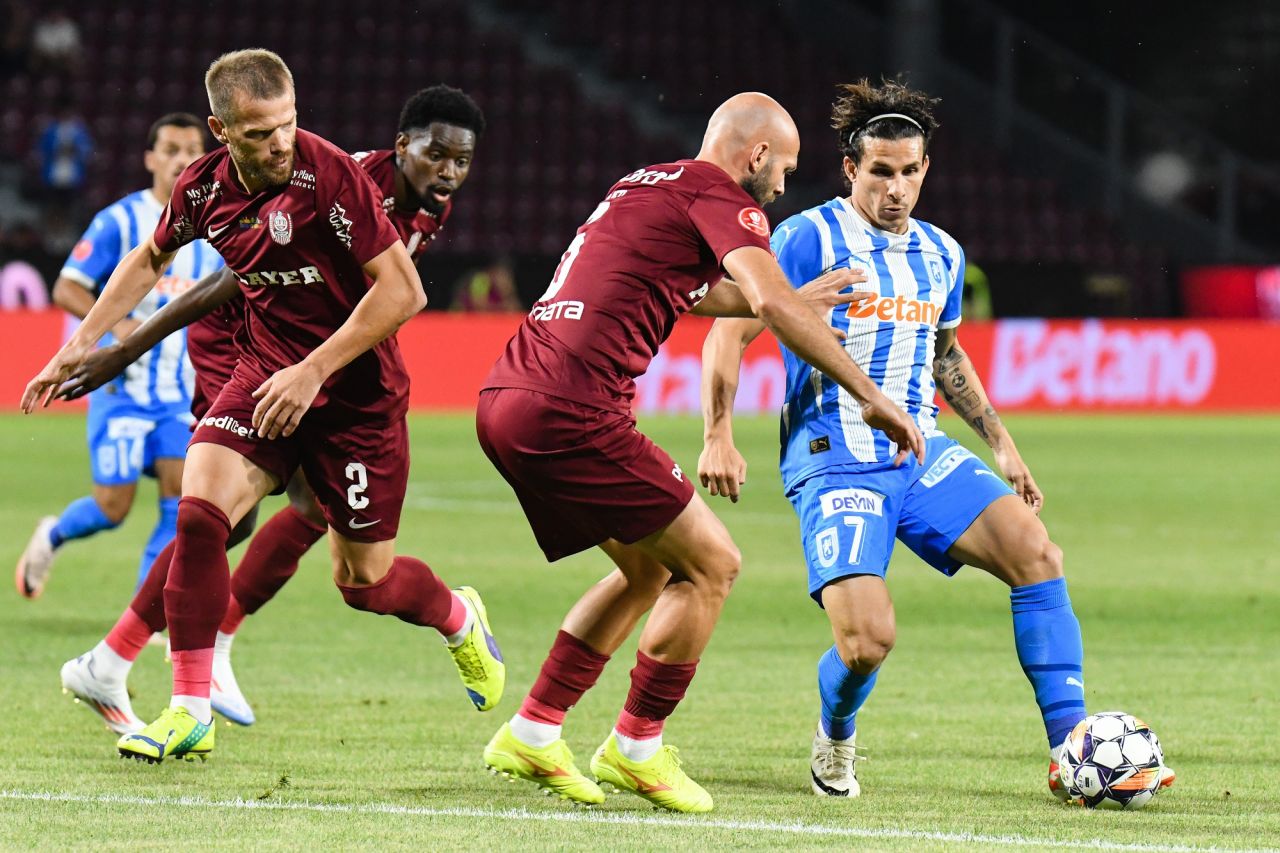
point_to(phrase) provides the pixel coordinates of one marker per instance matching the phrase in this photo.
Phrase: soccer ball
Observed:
(1112, 760)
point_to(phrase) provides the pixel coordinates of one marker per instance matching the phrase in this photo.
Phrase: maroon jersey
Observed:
(650, 252)
(297, 251)
(417, 228)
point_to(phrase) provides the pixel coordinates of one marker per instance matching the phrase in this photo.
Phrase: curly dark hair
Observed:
(858, 103)
(444, 104)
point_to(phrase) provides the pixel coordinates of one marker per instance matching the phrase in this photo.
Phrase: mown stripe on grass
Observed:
(594, 817)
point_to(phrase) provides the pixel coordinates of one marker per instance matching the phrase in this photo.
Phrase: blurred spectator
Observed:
(22, 286)
(62, 158)
(490, 289)
(977, 293)
(20, 243)
(15, 40)
(55, 43)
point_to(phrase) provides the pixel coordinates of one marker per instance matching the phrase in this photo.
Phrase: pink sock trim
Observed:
(457, 617)
(537, 712)
(129, 635)
(235, 615)
(638, 728)
(192, 672)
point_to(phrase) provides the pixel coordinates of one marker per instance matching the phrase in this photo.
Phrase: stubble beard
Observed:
(757, 186)
(261, 174)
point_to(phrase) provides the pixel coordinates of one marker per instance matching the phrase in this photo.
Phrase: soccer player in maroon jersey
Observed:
(435, 145)
(556, 420)
(319, 382)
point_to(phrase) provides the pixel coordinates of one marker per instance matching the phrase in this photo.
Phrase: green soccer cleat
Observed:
(478, 658)
(550, 768)
(175, 734)
(659, 780)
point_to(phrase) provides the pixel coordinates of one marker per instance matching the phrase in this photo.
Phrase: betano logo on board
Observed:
(1033, 362)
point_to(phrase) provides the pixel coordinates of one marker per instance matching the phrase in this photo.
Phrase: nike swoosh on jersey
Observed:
(355, 525)
(215, 232)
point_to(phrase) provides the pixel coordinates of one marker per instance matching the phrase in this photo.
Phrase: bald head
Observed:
(753, 138)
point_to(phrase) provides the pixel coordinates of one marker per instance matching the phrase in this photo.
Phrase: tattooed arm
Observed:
(960, 386)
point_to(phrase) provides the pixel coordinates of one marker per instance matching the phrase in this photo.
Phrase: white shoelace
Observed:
(836, 756)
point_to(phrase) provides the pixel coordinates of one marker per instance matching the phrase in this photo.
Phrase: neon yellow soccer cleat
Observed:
(550, 768)
(478, 658)
(659, 780)
(175, 734)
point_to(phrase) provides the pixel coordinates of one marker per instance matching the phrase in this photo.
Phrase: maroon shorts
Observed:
(207, 387)
(358, 468)
(213, 352)
(583, 475)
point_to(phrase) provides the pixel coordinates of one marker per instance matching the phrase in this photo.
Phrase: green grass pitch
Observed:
(365, 737)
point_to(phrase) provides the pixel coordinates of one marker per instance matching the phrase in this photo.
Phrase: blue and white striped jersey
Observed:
(163, 378)
(919, 276)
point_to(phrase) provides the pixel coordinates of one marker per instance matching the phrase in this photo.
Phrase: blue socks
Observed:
(843, 691)
(161, 535)
(1051, 652)
(81, 518)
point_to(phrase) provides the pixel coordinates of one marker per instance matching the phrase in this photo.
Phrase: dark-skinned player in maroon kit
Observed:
(435, 144)
(556, 420)
(319, 382)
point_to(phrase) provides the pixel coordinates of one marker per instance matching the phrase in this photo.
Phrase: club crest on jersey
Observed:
(280, 226)
(935, 270)
(754, 220)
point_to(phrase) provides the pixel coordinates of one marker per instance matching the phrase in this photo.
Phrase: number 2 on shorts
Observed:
(356, 498)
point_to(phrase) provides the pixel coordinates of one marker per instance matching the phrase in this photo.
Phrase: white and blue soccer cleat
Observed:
(224, 692)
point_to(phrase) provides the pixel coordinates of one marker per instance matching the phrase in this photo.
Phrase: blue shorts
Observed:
(849, 519)
(125, 441)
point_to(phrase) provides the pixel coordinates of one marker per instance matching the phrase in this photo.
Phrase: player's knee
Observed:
(1042, 562)
(357, 572)
(864, 650)
(724, 565)
(1050, 560)
(115, 506)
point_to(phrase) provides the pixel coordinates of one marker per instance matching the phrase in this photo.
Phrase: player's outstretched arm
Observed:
(822, 294)
(133, 279)
(958, 382)
(800, 330)
(721, 468)
(101, 366)
(395, 296)
(77, 300)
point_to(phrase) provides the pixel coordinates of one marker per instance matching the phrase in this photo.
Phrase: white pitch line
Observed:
(594, 817)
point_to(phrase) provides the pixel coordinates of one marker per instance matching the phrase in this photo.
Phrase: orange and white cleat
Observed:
(107, 698)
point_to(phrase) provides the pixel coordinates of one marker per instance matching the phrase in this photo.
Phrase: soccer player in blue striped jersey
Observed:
(839, 473)
(140, 422)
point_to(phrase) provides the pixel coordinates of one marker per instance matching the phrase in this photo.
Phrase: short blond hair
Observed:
(256, 73)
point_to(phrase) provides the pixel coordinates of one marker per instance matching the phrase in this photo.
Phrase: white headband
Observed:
(874, 119)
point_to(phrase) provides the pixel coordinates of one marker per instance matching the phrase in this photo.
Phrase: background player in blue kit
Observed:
(846, 481)
(140, 422)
